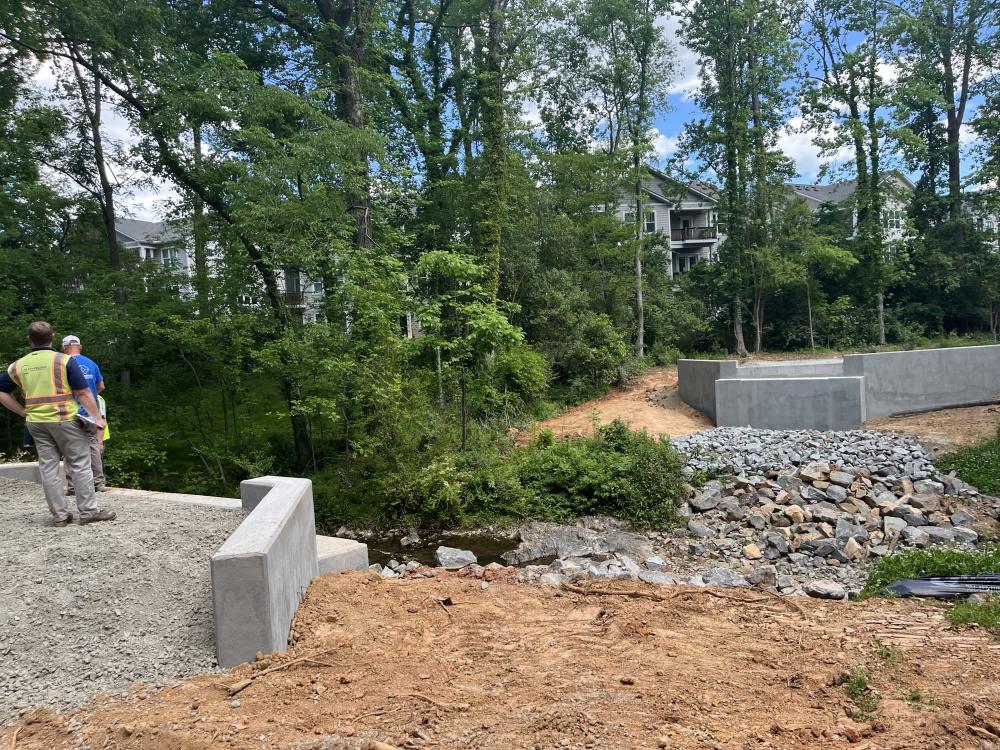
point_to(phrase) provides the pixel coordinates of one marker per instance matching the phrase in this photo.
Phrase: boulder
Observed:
(964, 534)
(836, 493)
(452, 558)
(726, 578)
(703, 501)
(962, 517)
(814, 472)
(916, 537)
(825, 589)
(841, 478)
(700, 530)
(655, 563)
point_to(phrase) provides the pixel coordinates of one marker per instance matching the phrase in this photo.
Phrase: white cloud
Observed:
(797, 143)
(663, 145)
(685, 80)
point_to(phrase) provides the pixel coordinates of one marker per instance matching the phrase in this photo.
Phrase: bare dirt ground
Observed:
(443, 663)
(650, 403)
(945, 430)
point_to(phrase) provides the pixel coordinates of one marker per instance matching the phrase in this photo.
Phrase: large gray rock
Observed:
(825, 589)
(964, 534)
(658, 577)
(916, 537)
(554, 540)
(938, 535)
(893, 525)
(841, 478)
(703, 501)
(453, 558)
(847, 530)
(962, 517)
(726, 578)
(836, 493)
(700, 530)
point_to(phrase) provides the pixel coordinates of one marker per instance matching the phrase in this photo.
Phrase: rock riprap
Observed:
(800, 512)
(745, 450)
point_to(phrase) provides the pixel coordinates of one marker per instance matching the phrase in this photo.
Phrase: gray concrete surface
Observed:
(891, 383)
(334, 554)
(799, 368)
(260, 574)
(897, 382)
(696, 381)
(93, 609)
(25, 472)
(791, 403)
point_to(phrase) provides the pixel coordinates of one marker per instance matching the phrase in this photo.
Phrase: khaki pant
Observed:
(69, 440)
(96, 461)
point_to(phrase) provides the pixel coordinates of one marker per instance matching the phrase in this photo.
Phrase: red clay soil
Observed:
(650, 403)
(443, 663)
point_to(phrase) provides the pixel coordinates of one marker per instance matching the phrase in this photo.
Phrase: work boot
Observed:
(98, 515)
(101, 488)
(70, 491)
(63, 521)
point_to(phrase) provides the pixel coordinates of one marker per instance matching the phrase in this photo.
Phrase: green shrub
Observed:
(986, 615)
(621, 473)
(931, 562)
(979, 464)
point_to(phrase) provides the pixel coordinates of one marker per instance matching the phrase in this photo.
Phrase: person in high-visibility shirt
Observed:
(52, 384)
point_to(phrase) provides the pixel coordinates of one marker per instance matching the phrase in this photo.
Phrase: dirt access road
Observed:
(443, 663)
(650, 403)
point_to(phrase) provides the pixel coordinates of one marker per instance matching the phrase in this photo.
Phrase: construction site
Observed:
(199, 622)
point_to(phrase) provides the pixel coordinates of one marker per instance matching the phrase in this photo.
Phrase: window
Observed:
(171, 257)
(650, 225)
(991, 224)
(892, 220)
(629, 217)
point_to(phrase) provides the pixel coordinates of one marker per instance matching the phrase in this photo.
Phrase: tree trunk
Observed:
(640, 311)
(494, 150)
(881, 318)
(465, 412)
(440, 376)
(92, 108)
(809, 310)
(741, 347)
(201, 282)
(758, 323)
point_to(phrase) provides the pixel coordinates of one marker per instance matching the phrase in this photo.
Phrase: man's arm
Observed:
(7, 386)
(11, 403)
(87, 400)
(100, 386)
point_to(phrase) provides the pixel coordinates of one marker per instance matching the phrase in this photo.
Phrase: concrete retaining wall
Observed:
(696, 381)
(261, 573)
(26, 472)
(897, 382)
(800, 368)
(791, 403)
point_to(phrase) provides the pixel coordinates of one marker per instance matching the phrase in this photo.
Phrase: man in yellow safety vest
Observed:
(53, 384)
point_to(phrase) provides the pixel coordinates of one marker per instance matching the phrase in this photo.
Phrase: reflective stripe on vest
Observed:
(44, 380)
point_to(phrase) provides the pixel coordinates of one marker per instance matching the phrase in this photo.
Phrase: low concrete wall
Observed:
(696, 381)
(791, 403)
(800, 368)
(897, 382)
(260, 574)
(26, 472)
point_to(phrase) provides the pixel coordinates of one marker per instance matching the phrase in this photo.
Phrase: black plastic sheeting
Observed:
(945, 587)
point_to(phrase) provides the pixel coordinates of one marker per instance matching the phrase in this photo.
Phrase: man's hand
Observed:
(87, 400)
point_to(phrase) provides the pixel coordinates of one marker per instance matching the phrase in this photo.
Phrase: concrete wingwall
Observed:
(262, 571)
(696, 381)
(818, 394)
(791, 403)
(924, 379)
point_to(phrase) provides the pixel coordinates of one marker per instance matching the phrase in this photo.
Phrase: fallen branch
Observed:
(13, 739)
(244, 684)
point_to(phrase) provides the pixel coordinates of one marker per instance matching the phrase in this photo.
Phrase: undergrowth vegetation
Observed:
(931, 562)
(618, 472)
(978, 464)
(986, 615)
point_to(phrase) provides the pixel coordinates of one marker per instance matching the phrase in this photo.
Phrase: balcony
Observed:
(294, 299)
(694, 233)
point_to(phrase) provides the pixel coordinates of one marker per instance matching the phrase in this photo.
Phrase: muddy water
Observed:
(487, 549)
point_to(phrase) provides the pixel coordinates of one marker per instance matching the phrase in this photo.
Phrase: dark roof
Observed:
(835, 193)
(148, 232)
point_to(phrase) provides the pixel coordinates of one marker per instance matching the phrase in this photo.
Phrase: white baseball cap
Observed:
(70, 340)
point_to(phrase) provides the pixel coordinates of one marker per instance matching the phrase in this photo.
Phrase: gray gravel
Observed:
(738, 450)
(89, 609)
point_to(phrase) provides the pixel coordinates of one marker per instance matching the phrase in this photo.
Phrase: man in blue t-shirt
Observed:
(95, 382)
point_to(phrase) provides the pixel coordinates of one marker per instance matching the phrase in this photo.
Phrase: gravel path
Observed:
(89, 609)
